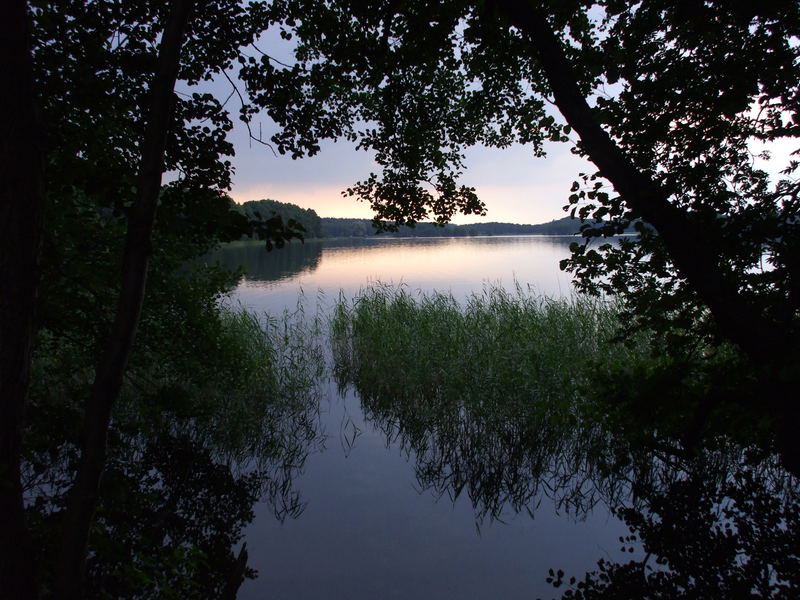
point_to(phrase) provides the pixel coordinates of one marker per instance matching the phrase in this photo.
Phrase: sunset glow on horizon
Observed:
(511, 203)
(515, 186)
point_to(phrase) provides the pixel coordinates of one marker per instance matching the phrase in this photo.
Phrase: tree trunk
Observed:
(21, 216)
(236, 576)
(692, 255)
(768, 343)
(83, 495)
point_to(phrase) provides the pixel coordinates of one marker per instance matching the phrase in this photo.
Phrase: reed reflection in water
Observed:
(494, 400)
(369, 530)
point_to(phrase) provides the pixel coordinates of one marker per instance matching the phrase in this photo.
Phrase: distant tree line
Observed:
(263, 210)
(330, 227)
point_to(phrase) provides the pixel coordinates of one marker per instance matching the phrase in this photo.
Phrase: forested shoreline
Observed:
(336, 227)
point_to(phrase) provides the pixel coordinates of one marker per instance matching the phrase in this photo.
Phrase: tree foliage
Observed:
(669, 99)
(113, 121)
(690, 112)
(305, 220)
(678, 103)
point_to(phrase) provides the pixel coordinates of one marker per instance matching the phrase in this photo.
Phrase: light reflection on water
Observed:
(368, 530)
(458, 265)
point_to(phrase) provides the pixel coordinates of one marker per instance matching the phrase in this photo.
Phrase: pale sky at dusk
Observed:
(515, 186)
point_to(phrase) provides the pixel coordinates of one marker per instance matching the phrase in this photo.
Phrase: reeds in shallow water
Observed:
(498, 346)
(487, 394)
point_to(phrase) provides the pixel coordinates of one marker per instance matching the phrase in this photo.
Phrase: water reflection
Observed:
(704, 535)
(188, 459)
(704, 523)
(497, 449)
(170, 522)
(274, 279)
(276, 265)
(716, 525)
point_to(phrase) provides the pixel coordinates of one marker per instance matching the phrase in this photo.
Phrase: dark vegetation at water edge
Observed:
(263, 210)
(217, 413)
(140, 419)
(111, 348)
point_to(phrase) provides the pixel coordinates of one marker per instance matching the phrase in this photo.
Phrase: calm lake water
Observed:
(369, 528)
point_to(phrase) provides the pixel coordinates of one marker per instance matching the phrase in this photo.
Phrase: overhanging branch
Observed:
(693, 255)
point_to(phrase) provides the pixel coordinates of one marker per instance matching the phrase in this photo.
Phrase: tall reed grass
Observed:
(256, 405)
(508, 397)
(498, 346)
(490, 395)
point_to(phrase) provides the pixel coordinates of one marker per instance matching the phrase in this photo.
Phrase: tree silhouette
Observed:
(661, 105)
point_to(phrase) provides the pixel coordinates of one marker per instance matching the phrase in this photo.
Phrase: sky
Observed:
(515, 186)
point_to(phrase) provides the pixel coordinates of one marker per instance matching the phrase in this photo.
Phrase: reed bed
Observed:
(499, 345)
(490, 395)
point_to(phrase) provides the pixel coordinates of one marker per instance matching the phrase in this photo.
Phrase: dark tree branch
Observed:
(767, 342)
(83, 495)
(275, 60)
(691, 252)
(258, 139)
(236, 575)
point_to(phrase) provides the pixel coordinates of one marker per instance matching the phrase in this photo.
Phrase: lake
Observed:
(371, 528)
(460, 265)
